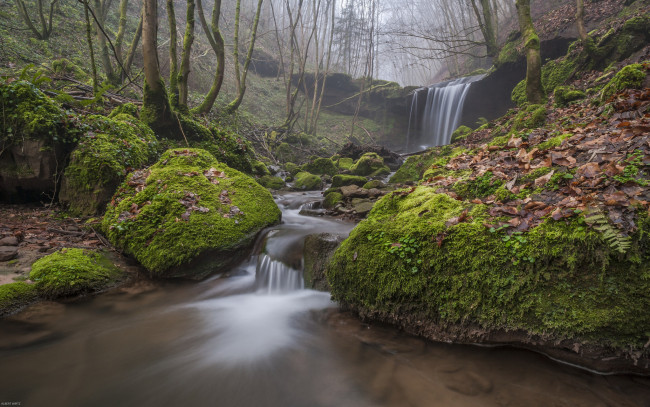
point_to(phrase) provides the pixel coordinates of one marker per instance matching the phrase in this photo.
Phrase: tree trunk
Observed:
(132, 50)
(534, 89)
(89, 39)
(184, 74)
(241, 82)
(102, 43)
(155, 109)
(217, 43)
(580, 19)
(173, 55)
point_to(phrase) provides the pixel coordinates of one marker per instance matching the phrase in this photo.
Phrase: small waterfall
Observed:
(442, 110)
(412, 119)
(274, 277)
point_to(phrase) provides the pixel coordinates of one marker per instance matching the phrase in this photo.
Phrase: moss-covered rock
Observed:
(554, 74)
(307, 182)
(631, 76)
(343, 180)
(416, 258)
(14, 296)
(331, 199)
(230, 149)
(375, 183)
(532, 117)
(566, 94)
(72, 272)
(260, 169)
(102, 159)
(345, 163)
(417, 165)
(126, 108)
(321, 166)
(370, 164)
(460, 133)
(292, 168)
(188, 215)
(35, 135)
(271, 182)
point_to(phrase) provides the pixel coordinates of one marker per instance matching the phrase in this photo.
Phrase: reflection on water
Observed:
(224, 342)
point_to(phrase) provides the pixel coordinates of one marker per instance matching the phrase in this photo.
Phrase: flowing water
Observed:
(441, 115)
(253, 337)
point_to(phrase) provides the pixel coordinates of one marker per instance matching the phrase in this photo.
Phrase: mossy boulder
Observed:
(566, 94)
(230, 149)
(345, 163)
(292, 168)
(72, 272)
(343, 180)
(188, 215)
(331, 199)
(321, 166)
(102, 159)
(631, 76)
(460, 133)
(35, 135)
(260, 169)
(271, 182)
(14, 296)
(419, 262)
(415, 166)
(554, 73)
(370, 164)
(126, 108)
(307, 182)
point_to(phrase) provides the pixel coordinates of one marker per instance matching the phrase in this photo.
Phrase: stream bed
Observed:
(254, 337)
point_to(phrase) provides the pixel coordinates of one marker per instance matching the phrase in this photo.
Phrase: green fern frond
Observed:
(614, 238)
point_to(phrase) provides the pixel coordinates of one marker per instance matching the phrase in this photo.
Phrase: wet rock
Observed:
(9, 241)
(8, 253)
(353, 191)
(317, 251)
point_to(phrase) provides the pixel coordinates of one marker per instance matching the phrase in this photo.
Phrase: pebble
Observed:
(7, 253)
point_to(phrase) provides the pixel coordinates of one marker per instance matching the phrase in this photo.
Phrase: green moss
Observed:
(306, 181)
(566, 94)
(28, 114)
(64, 66)
(16, 295)
(631, 76)
(127, 108)
(536, 173)
(342, 180)
(188, 207)
(321, 166)
(370, 164)
(556, 73)
(101, 161)
(460, 133)
(416, 165)
(345, 163)
(554, 141)
(332, 199)
(292, 169)
(270, 182)
(575, 285)
(479, 187)
(259, 168)
(72, 272)
(230, 149)
(375, 183)
(518, 95)
(509, 53)
(284, 152)
(532, 117)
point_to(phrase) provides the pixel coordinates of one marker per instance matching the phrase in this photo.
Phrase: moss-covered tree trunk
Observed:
(173, 55)
(156, 111)
(46, 23)
(101, 41)
(534, 88)
(217, 43)
(89, 39)
(486, 20)
(241, 78)
(184, 74)
(580, 19)
(132, 49)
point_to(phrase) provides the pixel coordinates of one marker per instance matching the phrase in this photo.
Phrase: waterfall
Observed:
(442, 111)
(273, 276)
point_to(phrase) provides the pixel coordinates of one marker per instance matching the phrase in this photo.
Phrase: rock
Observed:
(362, 206)
(307, 182)
(9, 241)
(354, 151)
(8, 253)
(342, 180)
(353, 191)
(100, 163)
(72, 272)
(317, 251)
(431, 249)
(370, 164)
(188, 215)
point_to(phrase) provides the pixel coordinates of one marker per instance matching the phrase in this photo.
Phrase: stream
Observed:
(253, 337)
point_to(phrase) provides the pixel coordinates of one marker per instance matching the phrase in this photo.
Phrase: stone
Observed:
(9, 241)
(317, 251)
(8, 253)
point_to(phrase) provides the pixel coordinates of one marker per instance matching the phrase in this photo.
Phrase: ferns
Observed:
(614, 238)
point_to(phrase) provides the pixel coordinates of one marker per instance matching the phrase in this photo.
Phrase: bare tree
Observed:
(580, 19)
(45, 30)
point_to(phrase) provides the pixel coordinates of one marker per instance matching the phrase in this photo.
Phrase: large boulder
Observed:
(370, 164)
(188, 215)
(428, 263)
(102, 159)
(33, 142)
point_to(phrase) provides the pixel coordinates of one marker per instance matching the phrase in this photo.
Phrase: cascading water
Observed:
(442, 112)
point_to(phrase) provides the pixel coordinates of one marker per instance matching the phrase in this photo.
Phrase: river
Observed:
(253, 337)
